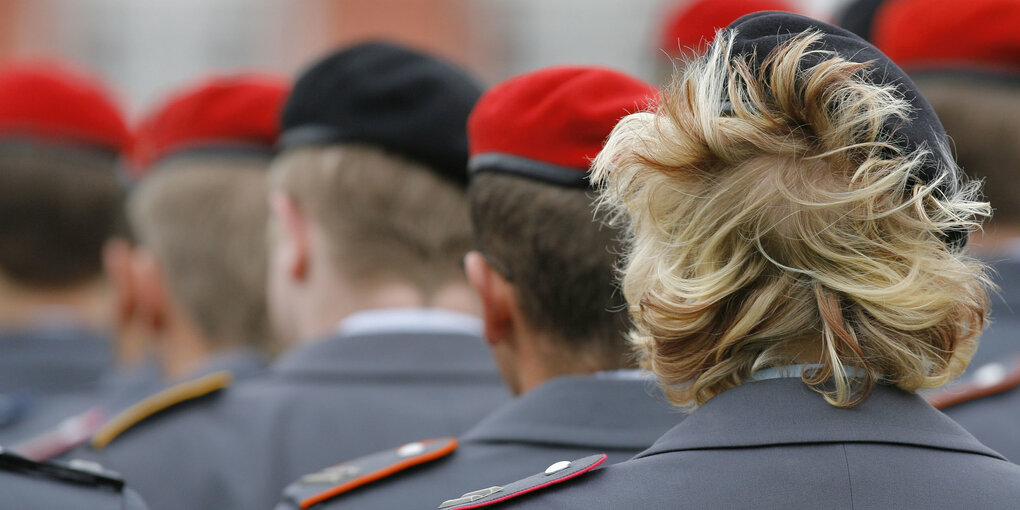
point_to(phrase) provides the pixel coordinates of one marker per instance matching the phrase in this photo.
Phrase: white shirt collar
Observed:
(409, 320)
(625, 374)
(797, 371)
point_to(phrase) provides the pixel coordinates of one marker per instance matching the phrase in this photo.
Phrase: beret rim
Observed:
(510, 164)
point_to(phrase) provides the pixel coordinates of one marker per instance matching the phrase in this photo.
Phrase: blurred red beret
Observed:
(49, 101)
(238, 112)
(694, 24)
(549, 124)
(941, 33)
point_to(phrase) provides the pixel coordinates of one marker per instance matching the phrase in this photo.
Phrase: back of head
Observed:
(200, 207)
(793, 201)
(60, 195)
(983, 118)
(375, 149)
(532, 139)
(973, 84)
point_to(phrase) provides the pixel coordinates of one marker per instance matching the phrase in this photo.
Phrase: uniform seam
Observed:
(849, 478)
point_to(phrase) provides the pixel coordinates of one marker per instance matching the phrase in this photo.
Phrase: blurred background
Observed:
(146, 47)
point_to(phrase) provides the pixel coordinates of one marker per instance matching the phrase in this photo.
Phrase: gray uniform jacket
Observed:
(777, 444)
(27, 485)
(1001, 340)
(565, 418)
(994, 418)
(48, 374)
(54, 441)
(338, 398)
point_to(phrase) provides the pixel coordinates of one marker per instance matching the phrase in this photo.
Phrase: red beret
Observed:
(240, 112)
(549, 124)
(49, 101)
(974, 33)
(692, 25)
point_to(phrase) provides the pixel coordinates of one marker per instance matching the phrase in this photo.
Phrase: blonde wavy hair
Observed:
(773, 220)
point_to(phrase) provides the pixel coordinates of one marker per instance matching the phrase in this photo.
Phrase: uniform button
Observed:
(411, 449)
(86, 465)
(557, 467)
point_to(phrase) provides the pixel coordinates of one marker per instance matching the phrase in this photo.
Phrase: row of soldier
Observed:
(325, 224)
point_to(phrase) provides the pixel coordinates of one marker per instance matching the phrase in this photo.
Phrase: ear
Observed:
(291, 242)
(117, 260)
(496, 295)
(153, 301)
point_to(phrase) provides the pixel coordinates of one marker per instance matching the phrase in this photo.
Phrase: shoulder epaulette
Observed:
(161, 401)
(341, 478)
(68, 435)
(989, 380)
(78, 472)
(554, 474)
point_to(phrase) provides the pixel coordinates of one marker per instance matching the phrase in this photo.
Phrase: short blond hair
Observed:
(790, 223)
(204, 219)
(386, 218)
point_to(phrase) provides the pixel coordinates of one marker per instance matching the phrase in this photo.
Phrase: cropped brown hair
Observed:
(205, 222)
(560, 257)
(385, 217)
(58, 206)
(790, 227)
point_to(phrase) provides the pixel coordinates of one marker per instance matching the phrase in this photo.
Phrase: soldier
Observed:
(199, 218)
(795, 273)
(554, 318)
(975, 88)
(199, 215)
(368, 224)
(60, 200)
(26, 484)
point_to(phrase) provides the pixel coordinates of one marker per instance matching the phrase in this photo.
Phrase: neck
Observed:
(27, 307)
(182, 349)
(540, 359)
(323, 314)
(996, 241)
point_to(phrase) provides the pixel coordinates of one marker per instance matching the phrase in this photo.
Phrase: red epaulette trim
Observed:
(430, 450)
(974, 390)
(494, 495)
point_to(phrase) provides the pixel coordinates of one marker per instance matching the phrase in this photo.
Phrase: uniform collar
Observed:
(409, 320)
(390, 357)
(60, 358)
(785, 411)
(584, 411)
(242, 363)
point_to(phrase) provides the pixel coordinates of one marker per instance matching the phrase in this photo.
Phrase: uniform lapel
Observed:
(53, 359)
(393, 357)
(582, 411)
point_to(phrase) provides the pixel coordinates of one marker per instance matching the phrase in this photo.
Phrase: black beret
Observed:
(859, 16)
(761, 32)
(387, 96)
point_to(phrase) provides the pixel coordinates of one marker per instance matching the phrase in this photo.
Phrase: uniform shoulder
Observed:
(51, 484)
(556, 473)
(991, 379)
(333, 481)
(75, 472)
(162, 401)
